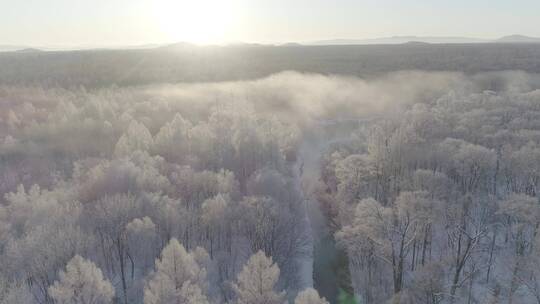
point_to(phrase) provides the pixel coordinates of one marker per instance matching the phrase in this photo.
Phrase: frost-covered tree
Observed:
(42, 234)
(142, 231)
(309, 296)
(136, 137)
(215, 216)
(257, 280)
(178, 278)
(109, 217)
(389, 233)
(353, 173)
(81, 283)
(172, 140)
(139, 172)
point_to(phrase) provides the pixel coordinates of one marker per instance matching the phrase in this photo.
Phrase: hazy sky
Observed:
(125, 22)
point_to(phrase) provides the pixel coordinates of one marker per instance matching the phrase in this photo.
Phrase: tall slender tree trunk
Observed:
(121, 259)
(491, 249)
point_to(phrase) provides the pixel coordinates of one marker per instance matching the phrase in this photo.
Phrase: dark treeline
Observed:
(188, 63)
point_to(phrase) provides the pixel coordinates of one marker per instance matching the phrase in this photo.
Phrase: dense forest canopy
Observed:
(400, 187)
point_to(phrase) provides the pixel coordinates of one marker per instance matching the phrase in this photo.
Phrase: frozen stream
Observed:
(323, 269)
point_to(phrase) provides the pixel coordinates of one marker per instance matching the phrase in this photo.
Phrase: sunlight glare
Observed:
(196, 21)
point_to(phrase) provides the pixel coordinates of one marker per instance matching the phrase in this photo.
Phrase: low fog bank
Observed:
(296, 98)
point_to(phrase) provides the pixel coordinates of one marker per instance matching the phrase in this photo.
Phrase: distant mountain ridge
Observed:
(426, 39)
(12, 48)
(29, 50)
(410, 40)
(398, 40)
(518, 39)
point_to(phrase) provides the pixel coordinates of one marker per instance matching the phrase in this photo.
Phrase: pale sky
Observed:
(134, 22)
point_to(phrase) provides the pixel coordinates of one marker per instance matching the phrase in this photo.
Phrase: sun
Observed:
(196, 21)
